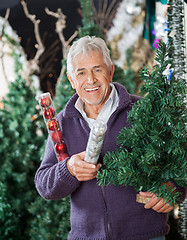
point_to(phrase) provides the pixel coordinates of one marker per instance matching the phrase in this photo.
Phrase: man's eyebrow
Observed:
(97, 66)
(79, 69)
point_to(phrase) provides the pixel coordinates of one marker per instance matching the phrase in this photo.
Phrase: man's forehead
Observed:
(84, 68)
(90, 54)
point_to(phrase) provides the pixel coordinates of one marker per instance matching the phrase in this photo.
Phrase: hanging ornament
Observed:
(60, 147)
(132, 8)
(56, 136)
(45, 101)
(49, 113)
(52, 125)
(62, 156)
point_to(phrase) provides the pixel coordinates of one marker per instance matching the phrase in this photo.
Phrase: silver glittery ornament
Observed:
(95, 142)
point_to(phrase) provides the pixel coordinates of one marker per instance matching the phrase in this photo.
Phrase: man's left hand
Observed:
(156, 203)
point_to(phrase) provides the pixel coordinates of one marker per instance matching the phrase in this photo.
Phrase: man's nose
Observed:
(91, 78)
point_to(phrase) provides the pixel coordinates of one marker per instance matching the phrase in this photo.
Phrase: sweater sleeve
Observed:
(52, 179)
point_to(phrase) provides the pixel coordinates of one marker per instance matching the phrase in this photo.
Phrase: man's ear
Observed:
(71, 80)
(112, 72)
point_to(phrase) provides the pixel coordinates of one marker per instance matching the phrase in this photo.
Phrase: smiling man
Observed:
(91, 79)
(97, 212)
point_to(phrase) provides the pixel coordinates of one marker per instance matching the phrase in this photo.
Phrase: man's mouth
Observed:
(91, 89)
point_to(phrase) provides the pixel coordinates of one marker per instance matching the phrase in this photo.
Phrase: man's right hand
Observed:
(80, 169)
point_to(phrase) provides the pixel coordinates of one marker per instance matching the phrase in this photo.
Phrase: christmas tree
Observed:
(7, 218)
(156, 141)
(21, 139)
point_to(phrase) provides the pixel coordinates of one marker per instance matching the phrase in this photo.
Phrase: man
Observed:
(97, 212)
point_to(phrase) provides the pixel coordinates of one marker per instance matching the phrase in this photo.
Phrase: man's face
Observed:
(91, 78)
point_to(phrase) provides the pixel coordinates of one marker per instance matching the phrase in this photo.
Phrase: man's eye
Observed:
(98, 70)
(80, 73)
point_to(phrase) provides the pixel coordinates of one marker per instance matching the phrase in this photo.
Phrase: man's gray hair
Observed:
(85, 45)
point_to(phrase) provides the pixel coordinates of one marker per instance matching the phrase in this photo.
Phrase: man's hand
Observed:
(80, 169)
(156, 203)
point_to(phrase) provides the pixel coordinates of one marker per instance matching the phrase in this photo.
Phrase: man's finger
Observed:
(152, 202)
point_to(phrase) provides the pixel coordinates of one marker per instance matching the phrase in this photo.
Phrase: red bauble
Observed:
(62, 157)
(53, 125)
(56, 136)
(60, 147)
(45, 102)
(49, 113)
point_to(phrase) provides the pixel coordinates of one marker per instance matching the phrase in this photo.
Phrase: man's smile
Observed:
(92, 89)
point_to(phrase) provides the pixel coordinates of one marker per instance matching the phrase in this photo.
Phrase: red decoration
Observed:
(53, 125)
(60, 147)
(45, 102)
(62, 156)
(56, 136)
(49, 113)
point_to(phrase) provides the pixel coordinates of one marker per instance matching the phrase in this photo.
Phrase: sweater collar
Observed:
(124, 101)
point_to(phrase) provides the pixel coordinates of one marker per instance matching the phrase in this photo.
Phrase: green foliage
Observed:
(19, 150)
(7, 219)
(88, 25)
(51, 219)
(126, 77)
(64, 91)
(156, 141)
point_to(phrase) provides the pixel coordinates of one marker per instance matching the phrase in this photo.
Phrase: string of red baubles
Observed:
(52, 125)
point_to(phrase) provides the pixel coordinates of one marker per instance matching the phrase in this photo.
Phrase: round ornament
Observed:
(133, 9)
(60, 147)
(45, 102)
(62, 157)
(56, 136)
(49, 113)
(53, 125)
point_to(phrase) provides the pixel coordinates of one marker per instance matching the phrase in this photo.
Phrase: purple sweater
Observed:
(97, 212)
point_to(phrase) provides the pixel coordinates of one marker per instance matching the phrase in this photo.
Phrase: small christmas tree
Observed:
(156, 142)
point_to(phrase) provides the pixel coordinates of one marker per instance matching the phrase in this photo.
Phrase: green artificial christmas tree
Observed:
(22, 137)
(7, 218)
(50, 219)
(156, 139)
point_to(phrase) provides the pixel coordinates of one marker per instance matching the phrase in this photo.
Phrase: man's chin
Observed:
(92, 102)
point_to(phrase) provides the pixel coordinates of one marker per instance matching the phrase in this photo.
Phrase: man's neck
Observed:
(92, 111)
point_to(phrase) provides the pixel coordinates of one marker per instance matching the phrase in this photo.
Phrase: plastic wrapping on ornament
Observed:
(52, 124)
(95, 142)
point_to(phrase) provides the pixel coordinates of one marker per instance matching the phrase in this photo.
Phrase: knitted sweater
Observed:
(97, 212)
